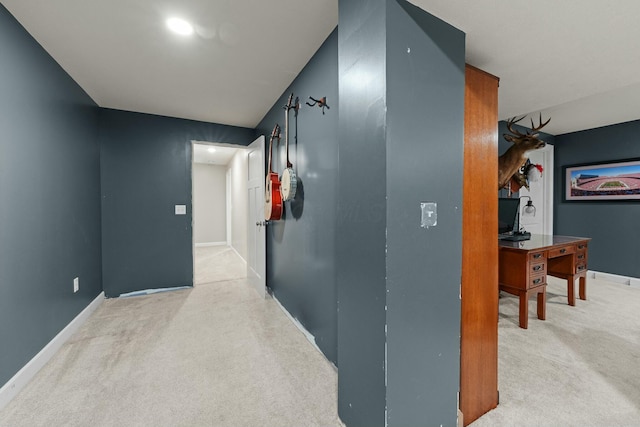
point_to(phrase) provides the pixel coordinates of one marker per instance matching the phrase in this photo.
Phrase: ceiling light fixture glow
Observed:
(211, 150)
(180, 26)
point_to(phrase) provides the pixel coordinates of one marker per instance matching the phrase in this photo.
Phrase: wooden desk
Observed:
(523, 268)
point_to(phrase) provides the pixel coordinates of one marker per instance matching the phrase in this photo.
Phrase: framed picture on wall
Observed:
(605, 181)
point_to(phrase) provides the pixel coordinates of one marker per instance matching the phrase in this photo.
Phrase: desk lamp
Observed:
(529, 209)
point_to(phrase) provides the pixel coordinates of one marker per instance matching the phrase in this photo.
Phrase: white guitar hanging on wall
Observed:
(289, 180)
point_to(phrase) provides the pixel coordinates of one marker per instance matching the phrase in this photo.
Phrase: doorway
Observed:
(219, 212)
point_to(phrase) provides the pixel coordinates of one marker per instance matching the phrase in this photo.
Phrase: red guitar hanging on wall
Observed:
(272, 195)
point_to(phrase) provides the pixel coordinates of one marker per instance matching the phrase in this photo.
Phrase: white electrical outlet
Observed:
(76, 285)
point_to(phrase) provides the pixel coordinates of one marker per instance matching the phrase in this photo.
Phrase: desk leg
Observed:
(583, 287)
(571, 289)
(524, 309)
(542, 300)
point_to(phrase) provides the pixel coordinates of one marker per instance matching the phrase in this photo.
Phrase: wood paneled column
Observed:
(479, 310)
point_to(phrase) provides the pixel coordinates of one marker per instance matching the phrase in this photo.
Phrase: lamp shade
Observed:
(529, 209)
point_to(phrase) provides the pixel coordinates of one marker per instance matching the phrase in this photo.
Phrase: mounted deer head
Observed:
(511, 161)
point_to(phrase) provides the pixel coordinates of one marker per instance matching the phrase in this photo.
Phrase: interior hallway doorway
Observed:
(219, 212)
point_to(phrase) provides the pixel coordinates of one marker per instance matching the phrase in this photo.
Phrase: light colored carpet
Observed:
(213, 355)
(579, 367)
(217, 263)
(217, 355)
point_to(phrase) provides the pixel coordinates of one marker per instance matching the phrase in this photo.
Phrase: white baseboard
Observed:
(302, 329)
(205, 244)
(152, 291)
(634, 282)
(28, 371)
(241, 257)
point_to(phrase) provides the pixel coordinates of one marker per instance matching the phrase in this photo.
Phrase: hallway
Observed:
(216, 264)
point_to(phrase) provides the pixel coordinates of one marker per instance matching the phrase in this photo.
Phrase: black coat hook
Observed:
(322, 103)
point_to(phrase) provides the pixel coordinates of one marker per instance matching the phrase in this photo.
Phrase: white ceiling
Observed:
(574, 60)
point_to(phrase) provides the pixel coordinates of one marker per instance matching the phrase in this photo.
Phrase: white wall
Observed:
(238, 167)
(209, 203)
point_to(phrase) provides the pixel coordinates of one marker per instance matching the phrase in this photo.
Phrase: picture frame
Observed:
(602, 181)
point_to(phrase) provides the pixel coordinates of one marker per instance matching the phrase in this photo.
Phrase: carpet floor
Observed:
(212, 355)
(217, 355)
(579, 367)
(217, 263)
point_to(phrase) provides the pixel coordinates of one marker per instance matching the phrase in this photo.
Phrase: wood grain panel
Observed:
(479, 316)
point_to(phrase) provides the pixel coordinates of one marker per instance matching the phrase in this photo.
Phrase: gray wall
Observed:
(613, 226)
(300, 247)
(425, 116)
(360, 232)
(401, 143)
(145, 163)
(49, 198)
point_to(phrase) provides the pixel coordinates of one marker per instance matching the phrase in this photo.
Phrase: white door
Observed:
(541, 193)
(256, 240)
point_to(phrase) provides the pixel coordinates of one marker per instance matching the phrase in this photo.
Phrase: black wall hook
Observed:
(322, 103)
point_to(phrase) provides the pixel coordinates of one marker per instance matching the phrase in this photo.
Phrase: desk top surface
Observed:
(540, 241)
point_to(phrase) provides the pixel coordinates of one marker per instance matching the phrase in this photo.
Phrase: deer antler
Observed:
(540, 125)
(512, 121)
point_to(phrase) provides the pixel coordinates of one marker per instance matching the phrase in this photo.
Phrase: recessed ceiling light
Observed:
(180, 26)
(211, 150)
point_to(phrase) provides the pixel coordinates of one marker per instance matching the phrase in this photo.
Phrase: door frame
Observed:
(227, 201)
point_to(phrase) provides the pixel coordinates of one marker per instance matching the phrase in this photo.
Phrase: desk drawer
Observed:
(535, 257)
(565, 250)
(581, 253)
(536, 281)
(581, 259)
(536, 269)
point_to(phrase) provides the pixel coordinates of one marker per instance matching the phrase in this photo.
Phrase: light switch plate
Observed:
(429, 214)
(181, 209)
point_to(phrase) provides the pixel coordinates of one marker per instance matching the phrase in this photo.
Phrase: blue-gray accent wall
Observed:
(300, 246)
(425, 116)
(49, 198)
(401, 80)
(613, 226)
(361, 229)
(145, 163)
